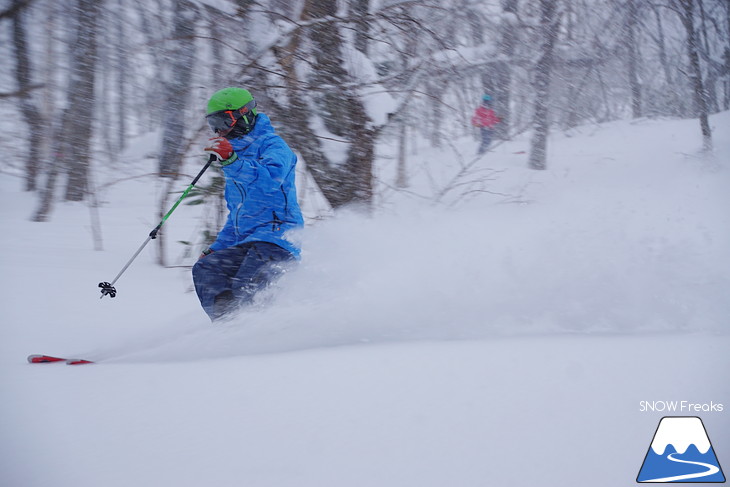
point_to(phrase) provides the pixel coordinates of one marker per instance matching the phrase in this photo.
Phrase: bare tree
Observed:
(541, 123)
(663, 58)
(70, 147)
(80, 113)
(15, 7)
(123, 78)
(178, 78)
(178, 73)
(632, 57)
(330, 95)
(686, 13)
(33, 117)
(360, 10)
(503, 84)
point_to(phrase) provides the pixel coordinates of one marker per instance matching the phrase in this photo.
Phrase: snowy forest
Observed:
(86, 78)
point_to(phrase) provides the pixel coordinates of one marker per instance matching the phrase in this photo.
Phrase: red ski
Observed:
(47, 359)
(78, 361)
(44, 359)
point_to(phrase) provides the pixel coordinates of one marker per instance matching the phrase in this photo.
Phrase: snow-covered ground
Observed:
(507, 340)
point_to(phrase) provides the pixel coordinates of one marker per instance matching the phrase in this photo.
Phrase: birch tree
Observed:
(32, 115)
(632, 56)
(685, 9)
(178, 76)
(71, 137)
(79, 116)
(541, 123)
(327, 94)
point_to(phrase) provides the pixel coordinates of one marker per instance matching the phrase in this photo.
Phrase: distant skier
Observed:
(485, 118)
(261, 197)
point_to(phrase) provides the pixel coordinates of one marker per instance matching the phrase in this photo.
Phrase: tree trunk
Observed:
(541, 122)
(78, 118)
(663, 49)
(59, 146)
(122, 78)
(401, 178)
(503, 70)
(31, 114)
(360, 9)
(632, 58)
(435, 120)
(699, 93)
(177, 90)
(167, 187)
(726, 82)
(710, 81)
(216, 48)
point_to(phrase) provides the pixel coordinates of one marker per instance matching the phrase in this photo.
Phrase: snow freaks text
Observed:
(683, 407)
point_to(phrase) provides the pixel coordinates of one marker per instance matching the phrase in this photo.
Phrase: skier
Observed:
(260, 194)
(485, 118)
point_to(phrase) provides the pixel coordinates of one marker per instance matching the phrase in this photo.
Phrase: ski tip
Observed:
(78, 361)
(47, 359)
(43, 359)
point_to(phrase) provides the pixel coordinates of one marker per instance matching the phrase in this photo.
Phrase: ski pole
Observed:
(107, 288)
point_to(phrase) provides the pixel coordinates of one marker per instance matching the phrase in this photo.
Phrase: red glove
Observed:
(222, 150)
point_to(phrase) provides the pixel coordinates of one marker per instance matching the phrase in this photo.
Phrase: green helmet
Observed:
(231, 112)
(229, 99)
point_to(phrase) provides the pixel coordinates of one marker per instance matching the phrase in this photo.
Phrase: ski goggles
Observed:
(225, 119)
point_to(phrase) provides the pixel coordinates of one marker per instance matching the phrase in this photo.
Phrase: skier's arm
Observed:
(275, 157)
(278, 159)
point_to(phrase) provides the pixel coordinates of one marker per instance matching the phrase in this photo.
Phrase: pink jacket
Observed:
(484, 117)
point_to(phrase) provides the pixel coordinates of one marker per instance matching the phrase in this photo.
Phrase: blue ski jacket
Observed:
(260, 193)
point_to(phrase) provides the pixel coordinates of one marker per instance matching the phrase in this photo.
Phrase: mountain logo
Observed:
(681, 452)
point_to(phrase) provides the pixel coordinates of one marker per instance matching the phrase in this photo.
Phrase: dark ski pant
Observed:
(486, 139)
(230, 278)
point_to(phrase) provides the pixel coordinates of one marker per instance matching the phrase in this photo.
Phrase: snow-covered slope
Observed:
(506, 340)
